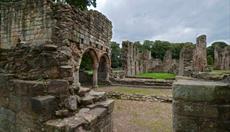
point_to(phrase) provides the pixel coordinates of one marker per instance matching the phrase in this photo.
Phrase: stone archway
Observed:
(103, 69)
(88, 73)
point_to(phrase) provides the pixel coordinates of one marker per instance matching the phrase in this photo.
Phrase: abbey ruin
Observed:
(42, 44)
(42, 84)
(192, 59)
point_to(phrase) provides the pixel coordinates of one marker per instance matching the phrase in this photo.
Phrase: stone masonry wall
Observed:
(167, 65)
(39, 79)
(201, 106)
(222, 58)
(200, 55)
(185, 63)
(29, 21)
(134, 62)
(193, 60)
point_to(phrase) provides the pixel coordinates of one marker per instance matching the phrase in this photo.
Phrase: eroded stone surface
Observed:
(201, 106)
(40, 57)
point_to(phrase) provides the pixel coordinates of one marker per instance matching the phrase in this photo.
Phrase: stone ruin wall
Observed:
(222, 58)
(33, 25)
(185, 62)
(200, 55)
(201, 106)
(193, 60)
(39, 68)
(168, 64)
(134, 62)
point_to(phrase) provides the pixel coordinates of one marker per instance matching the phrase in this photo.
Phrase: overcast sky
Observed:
(171, 20)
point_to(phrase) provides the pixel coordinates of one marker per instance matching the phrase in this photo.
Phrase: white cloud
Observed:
(172, 20)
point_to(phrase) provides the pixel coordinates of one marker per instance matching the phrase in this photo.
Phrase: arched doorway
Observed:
(88, 69)
(103, 69)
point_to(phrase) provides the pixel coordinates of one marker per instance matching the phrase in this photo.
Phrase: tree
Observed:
(210, 51)
(81, 4)
(159, 48)
(116, 55)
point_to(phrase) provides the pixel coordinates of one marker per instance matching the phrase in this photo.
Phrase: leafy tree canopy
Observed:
(116, 55)
(210, 50)
(81, 4)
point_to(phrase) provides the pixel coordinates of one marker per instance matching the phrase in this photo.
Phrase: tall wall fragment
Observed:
(193, 59)
(133, 61)
(185, 63)
(222, 58)
(200, 55)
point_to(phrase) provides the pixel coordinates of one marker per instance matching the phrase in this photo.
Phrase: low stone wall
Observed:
(48, 105)
(138, 97)
(201, 106)
(146, 83)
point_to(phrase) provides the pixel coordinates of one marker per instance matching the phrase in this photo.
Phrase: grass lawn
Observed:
(158, 75)
(220, 72)
(142, 91)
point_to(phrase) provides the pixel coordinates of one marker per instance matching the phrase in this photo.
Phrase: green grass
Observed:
(158, 75)
(143, 91)
(220, 72)
(89, 72)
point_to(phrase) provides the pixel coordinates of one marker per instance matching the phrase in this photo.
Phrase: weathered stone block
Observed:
(201, 91)
(58, 87)
(87, 100)
(70, 124)
(195, 109)
(44, 105)
(201, 106)
(71, 103)
(29, 88)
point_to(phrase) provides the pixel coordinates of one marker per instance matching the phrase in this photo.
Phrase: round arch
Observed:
(89, 77)
(104, 68)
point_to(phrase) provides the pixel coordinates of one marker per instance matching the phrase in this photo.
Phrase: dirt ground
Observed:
(136, 116)
(139, 116)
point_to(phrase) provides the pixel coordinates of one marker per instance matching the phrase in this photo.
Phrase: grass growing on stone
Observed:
(220, 72)
(158, 75)
(142, 91)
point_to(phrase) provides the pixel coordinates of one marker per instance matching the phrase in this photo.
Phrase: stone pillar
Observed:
(95, 79)
(200, 54)
(76, 84)
(201, 106)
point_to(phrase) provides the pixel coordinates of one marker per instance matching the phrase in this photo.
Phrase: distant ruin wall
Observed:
(193, 59)
(200, 55)
(222, 58)
(133, 61)
(186, 63)
(167, 65)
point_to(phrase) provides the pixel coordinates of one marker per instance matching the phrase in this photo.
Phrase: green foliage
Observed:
(210, 51)
(86, 62)
(159, 48)
(210, 60)
(81, 4)
(157, 75)
(116, 55)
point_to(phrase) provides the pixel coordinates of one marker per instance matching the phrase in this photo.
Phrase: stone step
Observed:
(85, 120)
(83, 91)
(70, 124)
(87, 100)
(99, 96)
